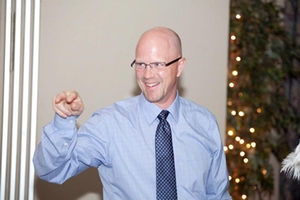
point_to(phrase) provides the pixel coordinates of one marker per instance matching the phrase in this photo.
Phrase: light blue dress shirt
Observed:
(119, 140)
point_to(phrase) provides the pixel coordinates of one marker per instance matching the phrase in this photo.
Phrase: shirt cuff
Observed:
(64, 123)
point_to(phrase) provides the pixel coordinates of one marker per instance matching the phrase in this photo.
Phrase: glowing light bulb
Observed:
(233, 37)
(238, 16)
(230, 146)
(242, 141)
(237, 138)
(252, 130)
(231, 85)
(241, 113)
(242, 154)
(234, 73)
(246, 160)
(237, 180)
(253, 144)
(244, 196)
(238, 59)
(248, 145)
(229, 103)
(230, 133)
(233, 112)
(264, 171)
(258, 110)
(225, 148)
(229, 177)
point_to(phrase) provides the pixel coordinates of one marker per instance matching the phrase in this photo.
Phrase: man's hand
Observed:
(68, 103)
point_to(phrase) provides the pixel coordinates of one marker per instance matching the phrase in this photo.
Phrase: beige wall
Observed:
(88, 46)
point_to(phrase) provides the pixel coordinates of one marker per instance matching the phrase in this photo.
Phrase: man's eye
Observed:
(158, 64)
(140, 65)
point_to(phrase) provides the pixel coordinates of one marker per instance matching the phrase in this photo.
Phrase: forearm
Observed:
(53, 156)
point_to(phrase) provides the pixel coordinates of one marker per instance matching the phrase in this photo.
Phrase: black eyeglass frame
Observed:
(166, 64)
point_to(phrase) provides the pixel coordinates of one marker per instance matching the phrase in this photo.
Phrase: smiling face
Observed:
(159, 45)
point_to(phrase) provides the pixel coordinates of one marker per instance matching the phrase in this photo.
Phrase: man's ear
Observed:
(181, 66)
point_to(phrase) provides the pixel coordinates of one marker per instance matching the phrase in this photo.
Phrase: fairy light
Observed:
(242, 141)
(231, 85)
(229, 178)
(240, 94)
(252, 130)
(237, 180)
(229, 103)
(246, 160)
(237, 138)
(225, 148)
(230, 133)
(242, 153)
(241, 113)
(230, 146)
(253, 144)
(238, 58)
(264, 171)
(248, 146)
(238, 16)
(233, 112)
(258, 110)
(233, 37)
(244, 196)
(234, 73)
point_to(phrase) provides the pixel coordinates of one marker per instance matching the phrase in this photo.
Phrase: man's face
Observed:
(158, 86)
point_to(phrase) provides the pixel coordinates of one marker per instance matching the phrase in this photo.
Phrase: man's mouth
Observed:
(152, 84)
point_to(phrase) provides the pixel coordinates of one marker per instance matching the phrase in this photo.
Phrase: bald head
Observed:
(162, 35)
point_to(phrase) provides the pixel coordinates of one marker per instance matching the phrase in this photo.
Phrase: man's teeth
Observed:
(151, 84)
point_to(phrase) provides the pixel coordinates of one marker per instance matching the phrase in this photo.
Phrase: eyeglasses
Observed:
(154, 65)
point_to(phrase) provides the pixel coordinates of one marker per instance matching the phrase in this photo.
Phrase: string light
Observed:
(233, 112)
(246, 160)
(232, 37)
(241, 113)
(238, 16)
(258, 110)
(238, 59)
(229, 103)
(264, 171)
(252, 130)
(253, 144)
(234, 73)
(244, 196)
(242, 154)
(230, 133)
(231, 85)
(225, 148)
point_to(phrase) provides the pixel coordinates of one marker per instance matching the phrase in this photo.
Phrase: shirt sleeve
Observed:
(65, 151)
(217, 183)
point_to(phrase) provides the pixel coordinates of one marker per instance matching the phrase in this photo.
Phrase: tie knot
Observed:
(163, 115)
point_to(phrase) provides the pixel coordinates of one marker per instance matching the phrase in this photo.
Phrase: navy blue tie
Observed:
(165, 168)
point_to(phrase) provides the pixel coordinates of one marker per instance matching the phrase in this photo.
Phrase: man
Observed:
(121, 140)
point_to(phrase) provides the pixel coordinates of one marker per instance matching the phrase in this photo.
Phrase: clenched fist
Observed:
(68, 103)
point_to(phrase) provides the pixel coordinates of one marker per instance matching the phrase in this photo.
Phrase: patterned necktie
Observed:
(165, 168)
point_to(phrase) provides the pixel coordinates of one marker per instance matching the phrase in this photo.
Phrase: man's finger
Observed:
(71, 96)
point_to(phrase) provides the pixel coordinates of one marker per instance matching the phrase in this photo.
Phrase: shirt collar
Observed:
(151, 110)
